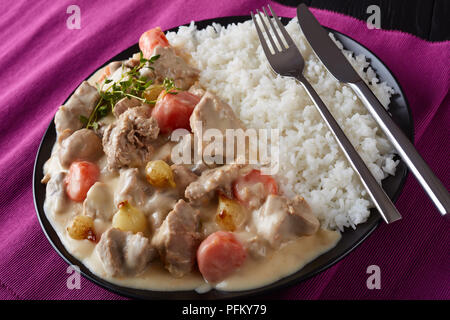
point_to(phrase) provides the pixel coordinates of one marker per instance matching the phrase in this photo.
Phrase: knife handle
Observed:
(382, 202)
(430, 183)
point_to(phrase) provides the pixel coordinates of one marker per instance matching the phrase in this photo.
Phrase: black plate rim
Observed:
(276, 286)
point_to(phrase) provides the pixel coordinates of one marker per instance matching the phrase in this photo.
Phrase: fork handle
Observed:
(382, 202)
(430, 183)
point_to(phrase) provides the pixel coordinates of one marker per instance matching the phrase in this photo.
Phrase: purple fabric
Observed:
(42, 62)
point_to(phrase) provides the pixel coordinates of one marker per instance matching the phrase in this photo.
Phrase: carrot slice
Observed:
(219, 255)
(150, 39)
(82, 175)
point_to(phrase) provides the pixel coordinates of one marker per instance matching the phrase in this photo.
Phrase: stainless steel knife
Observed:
(338, 65)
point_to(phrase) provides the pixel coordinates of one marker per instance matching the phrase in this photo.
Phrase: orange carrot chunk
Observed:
(150, 39)
(219, 255)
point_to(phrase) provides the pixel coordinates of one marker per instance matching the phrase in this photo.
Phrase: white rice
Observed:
(234, 66)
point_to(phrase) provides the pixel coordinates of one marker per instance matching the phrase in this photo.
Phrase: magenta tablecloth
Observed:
(42, 62)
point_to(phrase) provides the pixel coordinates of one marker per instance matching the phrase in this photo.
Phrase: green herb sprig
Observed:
(130, 85)
(169, 86)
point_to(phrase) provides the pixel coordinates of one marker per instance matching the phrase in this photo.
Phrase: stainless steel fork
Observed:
(287, 61)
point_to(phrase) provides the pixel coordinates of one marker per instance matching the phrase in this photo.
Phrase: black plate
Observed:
(350, 238)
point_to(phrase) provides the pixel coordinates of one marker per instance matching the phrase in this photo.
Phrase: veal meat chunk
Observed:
(281, 219)
(217, 179)
(170, 65)
(124, 104)
(132, 188)
(128, 142)
(213, 113)
(83, 144)
(178, 238)
(124, 253)
(56, 199)
(183, 177)
(81, 103)
(106, 72)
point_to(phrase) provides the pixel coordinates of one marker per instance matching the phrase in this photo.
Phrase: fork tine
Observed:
(261, 37)
(282, 29)
(272, 42)
(275, 31)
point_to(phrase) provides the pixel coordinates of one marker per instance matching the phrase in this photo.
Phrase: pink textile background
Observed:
(42, 62)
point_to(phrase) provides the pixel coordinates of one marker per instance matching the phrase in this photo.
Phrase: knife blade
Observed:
(338, 65)
(333, 59)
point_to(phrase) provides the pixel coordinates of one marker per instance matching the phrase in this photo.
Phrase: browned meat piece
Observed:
(178, 238)
(281, 219)
(127, 143)
(56, 199)
(183, 177)
(170, 65)
(211, 180)
(110, 251)
(99, 202)
(132, 188)
(81, 103)
(306, 223)
(124, 253)
(83, 144)
(124, 104)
